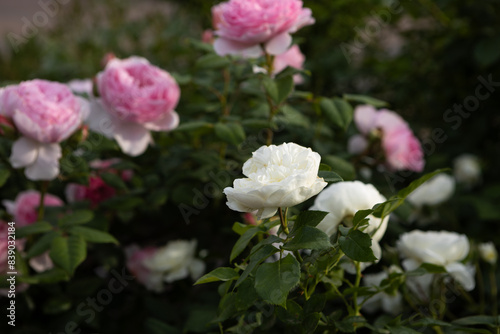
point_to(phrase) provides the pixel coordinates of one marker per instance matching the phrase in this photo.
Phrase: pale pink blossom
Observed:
(24, 208)
(401, 148)
(293, 57)
(45, 113)
(136, 97)
(245, 27)
(135, 264)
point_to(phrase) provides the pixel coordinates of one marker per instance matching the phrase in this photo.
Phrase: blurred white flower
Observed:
(176, 261)
(342, 200)
(467, 170)
(277, 176)
(392, 304)
(488, 252)
(440, 248)
(434, 191)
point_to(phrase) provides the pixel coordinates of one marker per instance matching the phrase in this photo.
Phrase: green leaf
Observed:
(360, 216)
(478, 320)
(196, 127)
(227, 307)
(401, 330)
(92, 235)
(76, 218)
(212, 61)
(357, 246)
(240, 228)
(365, 100)
(242, 242)
(53, 275)
(42, 244)
(308, 218)
(324, 167)
(256, 258)
(219, 274)
(271, 88)
(113, 180)
(487, 51)
(292, 314)
(36, 228)
(246, 296)
(350, 324)
(285, 86)
(231, 133)
(338, 111)
(315, 303)
(308, 237)
(340, 166)
(273, 281)
(68, 252)
(329, 176)
(4, 175)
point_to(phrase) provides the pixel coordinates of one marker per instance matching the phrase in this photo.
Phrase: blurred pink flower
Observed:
(24, 208)
(45, 113)
(401, 148)
(208, 36)
(136, 97)
(242, 26)
(293, 58)
(97, 190)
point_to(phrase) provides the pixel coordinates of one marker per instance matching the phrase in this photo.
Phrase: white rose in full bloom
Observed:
(277, 177)
(440, 248)
(176, 261)
(467, 170)
(392, 304)
(488, 252)
(343, 199)
(434, 191)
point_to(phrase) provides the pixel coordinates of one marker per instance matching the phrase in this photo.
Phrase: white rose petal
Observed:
(488, 252)
(467, 170)
(434, 191)
(277, 176)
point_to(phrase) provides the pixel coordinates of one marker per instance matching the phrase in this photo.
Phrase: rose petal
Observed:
(46, 166)
(278, 44)
(133, 138)
(357, 144)
(462, 275)
(99, 120)
(223, 46)
(24, 152)
(364, 117)
(169, 122)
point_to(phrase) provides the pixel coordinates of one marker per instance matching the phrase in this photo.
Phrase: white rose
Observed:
(176, 261)
(392, 304)
(342, 200)
(488, 252)
(441, 248)
(467, 170)
(277, 177)
(433, 191)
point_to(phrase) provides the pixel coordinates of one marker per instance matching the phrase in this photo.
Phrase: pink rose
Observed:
(24, 208)
(244, 25)
(401, 148)
(135, 264)
(293, 58)
(135, 97)
(97, 190)
(3, 246)
(45, 113)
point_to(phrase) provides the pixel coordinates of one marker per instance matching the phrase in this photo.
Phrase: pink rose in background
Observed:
(45, 113)
(24, 208)
(293, 57)
(97, 190)
(81, 86)
(402, 149)
(244, 26)
(136, 97)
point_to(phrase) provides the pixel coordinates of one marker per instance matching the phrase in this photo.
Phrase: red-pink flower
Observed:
(245, 26)
(402, 149)
(45, 113)
(97, 190)
(24, 208)
(136, 97)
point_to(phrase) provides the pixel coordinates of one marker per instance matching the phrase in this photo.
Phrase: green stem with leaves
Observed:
(357, 307)
(283, 220)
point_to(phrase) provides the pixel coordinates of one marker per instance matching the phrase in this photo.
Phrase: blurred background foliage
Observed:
(422, 60)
